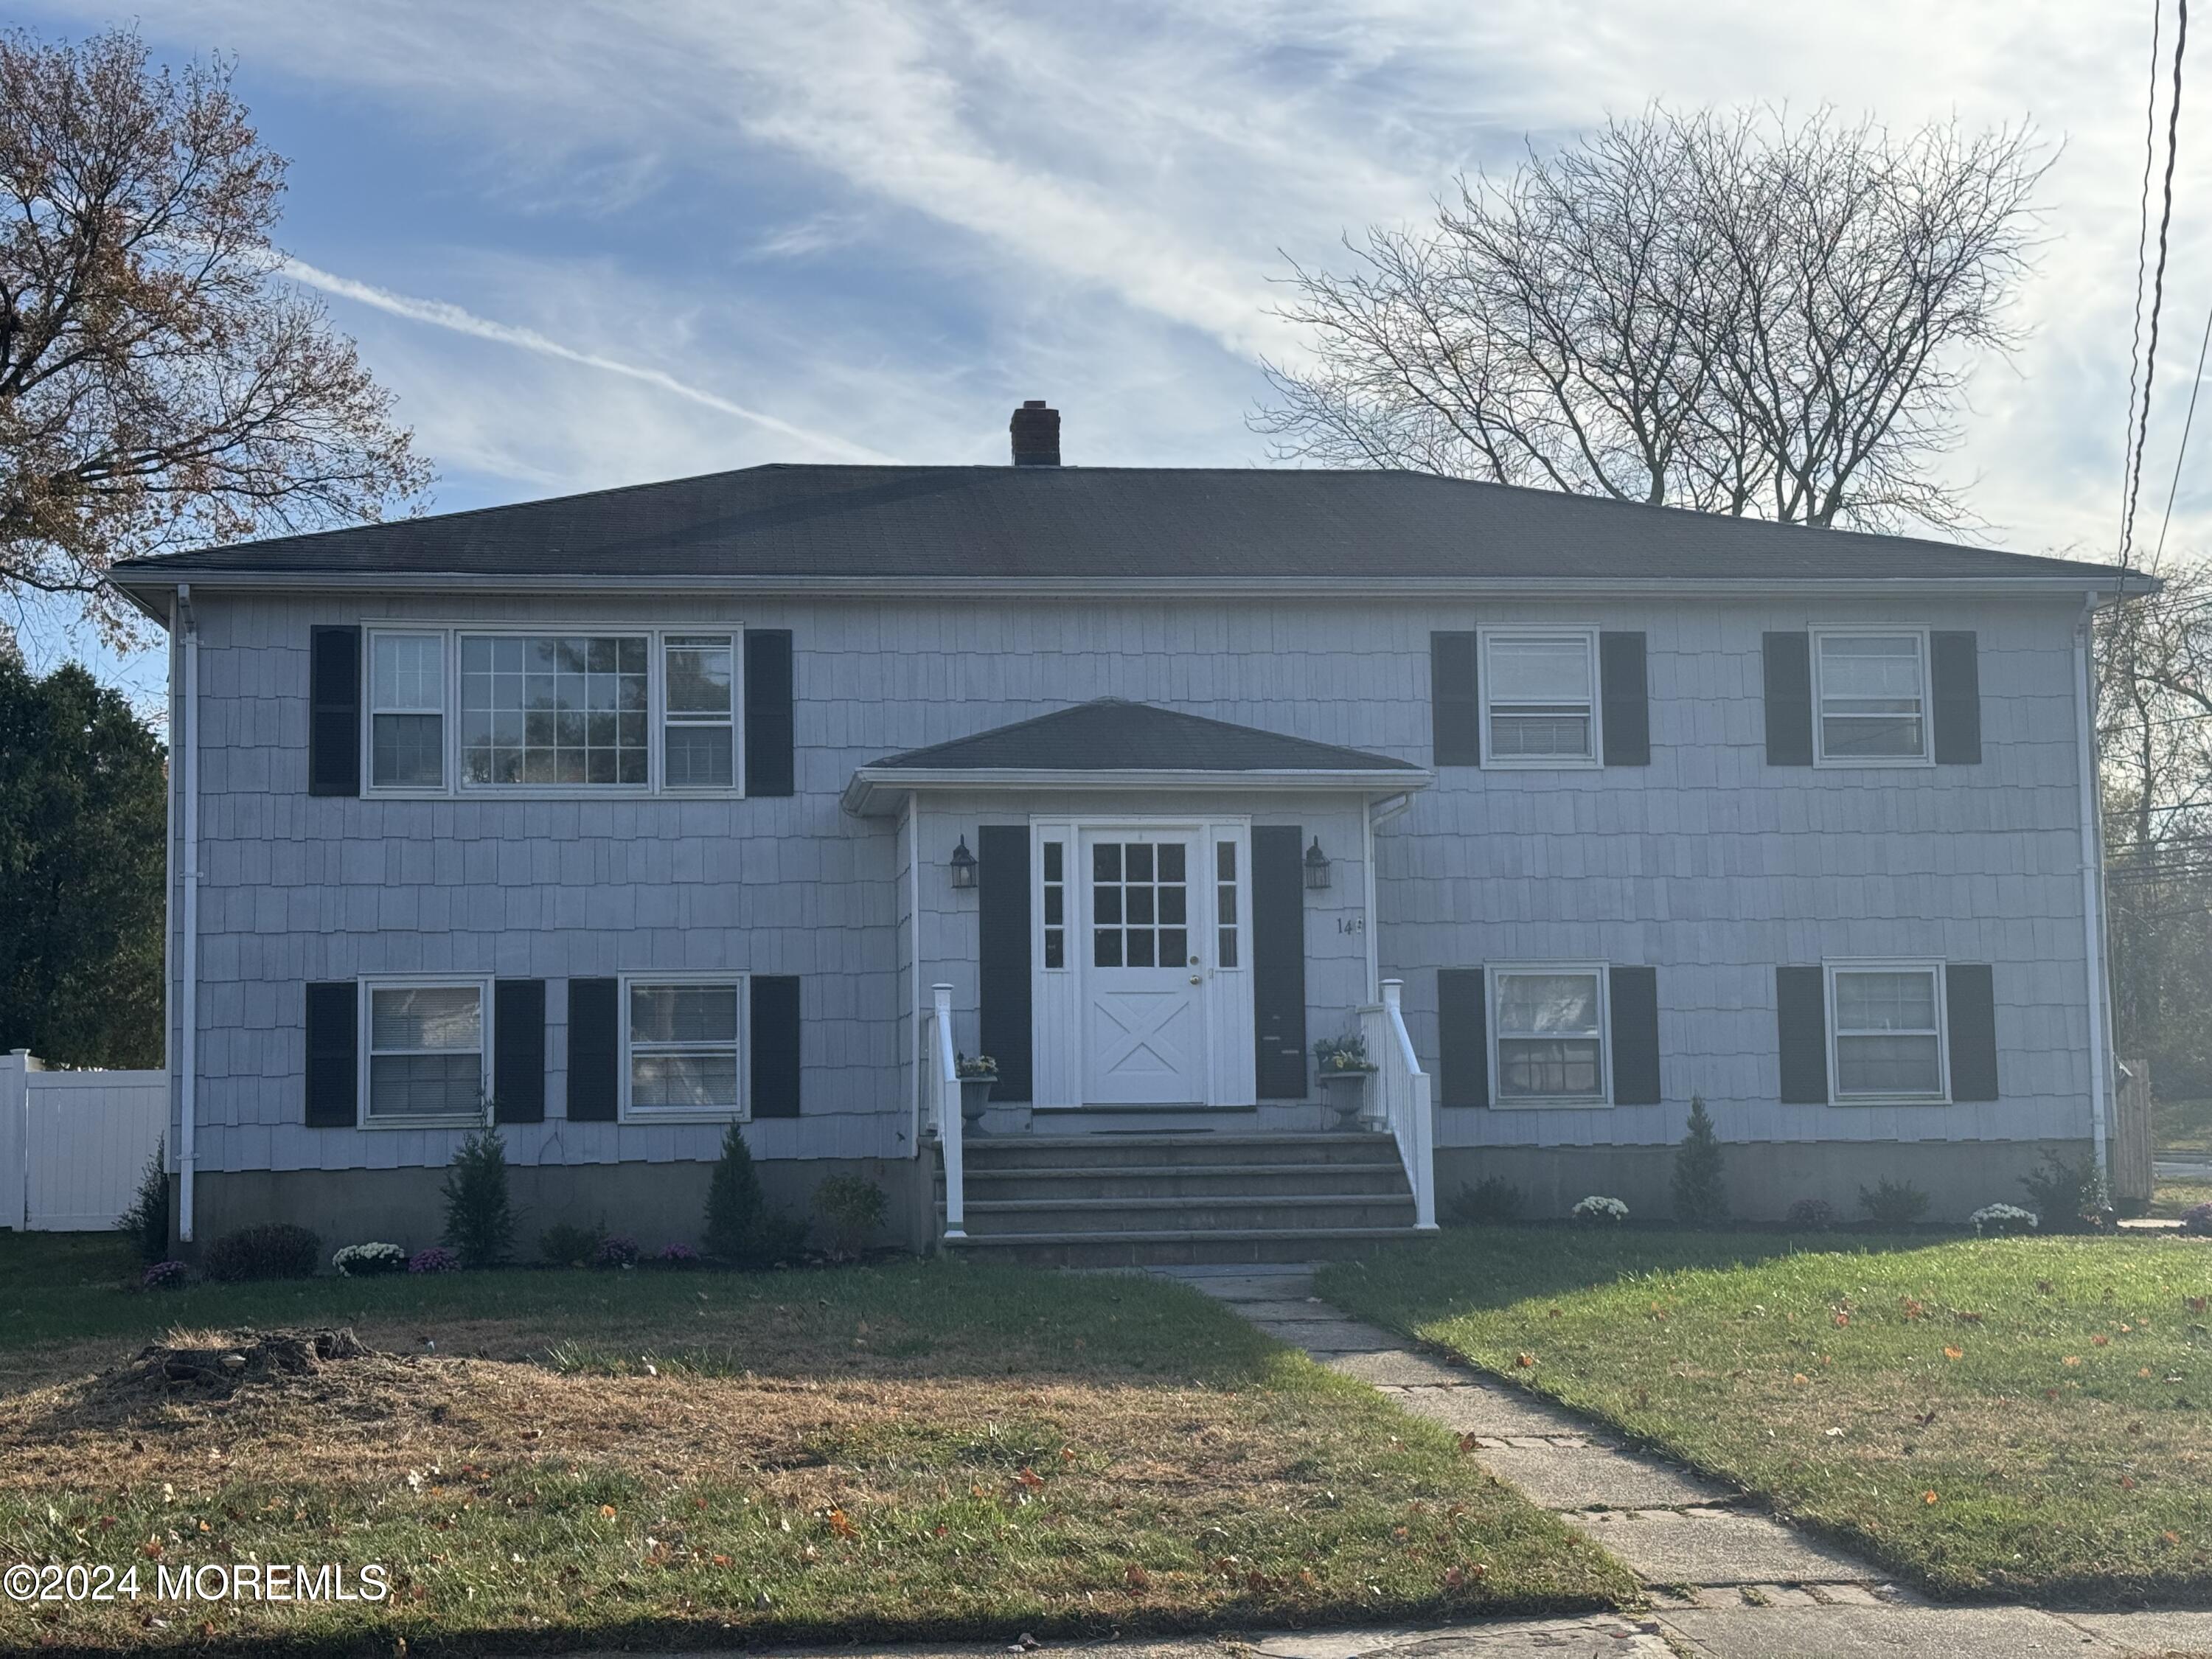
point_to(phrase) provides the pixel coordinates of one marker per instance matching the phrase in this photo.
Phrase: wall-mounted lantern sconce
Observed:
(964, 866)
(1317, 866)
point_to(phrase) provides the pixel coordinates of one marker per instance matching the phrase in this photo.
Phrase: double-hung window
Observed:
(1886, 1022)
(407, 711)
(426, 1053)
(1540, 698)
(1547, 1029)
(684, 1043)
(700, 732)
(1873, 692)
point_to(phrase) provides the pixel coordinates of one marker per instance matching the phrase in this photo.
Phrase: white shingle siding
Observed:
(1708, 862)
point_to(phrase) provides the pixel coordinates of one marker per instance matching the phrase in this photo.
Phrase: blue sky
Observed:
(594, 244)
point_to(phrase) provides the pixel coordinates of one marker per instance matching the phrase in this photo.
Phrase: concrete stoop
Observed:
(1139, 1199)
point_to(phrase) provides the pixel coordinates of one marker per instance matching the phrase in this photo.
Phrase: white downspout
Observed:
(914, 913)
(1377, 813)
(188, 780)
(2093, 878)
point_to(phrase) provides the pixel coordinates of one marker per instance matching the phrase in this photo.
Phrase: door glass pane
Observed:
(1139, 906)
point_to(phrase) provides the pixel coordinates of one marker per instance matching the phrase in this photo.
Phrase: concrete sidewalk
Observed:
(1726, 1579)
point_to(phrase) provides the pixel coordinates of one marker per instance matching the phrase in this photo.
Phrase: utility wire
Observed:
(2157, 286)
(2142, 259)
(2181, 455)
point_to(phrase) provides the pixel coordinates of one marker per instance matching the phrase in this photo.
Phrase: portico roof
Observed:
(1112, 744)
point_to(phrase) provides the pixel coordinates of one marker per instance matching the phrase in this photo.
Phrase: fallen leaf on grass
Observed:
(2200, 1303)
(2101, 1340)
(1954, 1353)
(1135, 1576)
(1842, 1320)
(1928, 1497)
(2071, 1359)
(1525, 1360)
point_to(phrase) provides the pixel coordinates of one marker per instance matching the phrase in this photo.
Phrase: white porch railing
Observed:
(941, 1101)
(1401, 1092)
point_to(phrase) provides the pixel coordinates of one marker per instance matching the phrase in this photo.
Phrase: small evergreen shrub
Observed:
(567, 1246)
(1812, 1215)
(165, 1276)
(616, 1252)
(1700, 1190)
(1893, 1203)
(852, 1208)
(436, 1260)
(274, 1249)
(741, 1229)
(2068, 1194)
(479, 1226)
(146, 1220)
(1487, 1203)
(370, 1261)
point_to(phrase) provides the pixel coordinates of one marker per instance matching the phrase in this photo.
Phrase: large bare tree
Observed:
(1737, 313)
(160, 385)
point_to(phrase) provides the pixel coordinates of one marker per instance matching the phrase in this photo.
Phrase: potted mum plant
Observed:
(977, 1075)
(1344, 1068)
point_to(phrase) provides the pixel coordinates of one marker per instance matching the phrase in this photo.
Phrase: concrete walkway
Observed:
(1726, 1580)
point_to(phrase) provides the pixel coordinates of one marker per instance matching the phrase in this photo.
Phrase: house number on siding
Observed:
(1352, 924)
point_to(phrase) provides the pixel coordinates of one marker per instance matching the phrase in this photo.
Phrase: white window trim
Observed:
(1242, 927)
(1494, 976)
(371, 710)
(1064, 836)
(1829, 969)
(365, 1023)
(1485, 679)
(1864, 762)
(656, 636)
(629, 1113)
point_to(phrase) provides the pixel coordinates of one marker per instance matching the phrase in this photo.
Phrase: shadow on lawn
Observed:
(1474, 1268)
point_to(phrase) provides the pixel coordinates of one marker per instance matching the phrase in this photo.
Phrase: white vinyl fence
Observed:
(74, 1144)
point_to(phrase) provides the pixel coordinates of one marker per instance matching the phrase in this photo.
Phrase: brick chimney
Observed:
(1036, 435)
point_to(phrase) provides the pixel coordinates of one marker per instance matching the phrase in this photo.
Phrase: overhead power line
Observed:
(2157, 285)
(2142, 260)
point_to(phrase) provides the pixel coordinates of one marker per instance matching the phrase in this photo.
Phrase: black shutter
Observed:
(1800, 1017)
(775, 1045)
(769, 769)
(594, 1050)
(1627, 699)
(333, 1056)
(1955, 672)
(1278, 960)
(518, 1063)
(1969, 1004)
(1789, 663)
(1002, 955)
(1634, 992)
(1463, 1038)
(1454, 708)
(334, 711)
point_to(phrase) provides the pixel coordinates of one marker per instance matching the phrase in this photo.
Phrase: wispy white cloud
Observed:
(440, 314)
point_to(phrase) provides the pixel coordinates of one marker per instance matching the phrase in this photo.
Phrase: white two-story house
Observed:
(610, 818)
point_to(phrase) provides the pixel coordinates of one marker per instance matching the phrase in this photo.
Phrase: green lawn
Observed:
(2023, 1416)
(922, 1450)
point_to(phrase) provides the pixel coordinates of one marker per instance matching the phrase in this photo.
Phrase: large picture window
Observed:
(1873, 690)
(554, 709)
(683, 1047)
(407, 711)
(1547, 1025)
(1540, 697)
(1887, 1025)
(482, 711)
(426, 1054)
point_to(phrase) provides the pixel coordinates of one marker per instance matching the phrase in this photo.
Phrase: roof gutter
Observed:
(1367, 589)
(881, 791)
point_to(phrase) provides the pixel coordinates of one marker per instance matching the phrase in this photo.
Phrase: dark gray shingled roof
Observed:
(1113, 735)
(1042, 522)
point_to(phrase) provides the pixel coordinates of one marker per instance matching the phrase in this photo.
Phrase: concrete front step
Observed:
(994, 1153)
(1187, 1181)
(1176, 1246)
(1120, 1215)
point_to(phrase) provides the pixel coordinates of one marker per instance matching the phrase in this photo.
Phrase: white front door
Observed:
(1141, 909)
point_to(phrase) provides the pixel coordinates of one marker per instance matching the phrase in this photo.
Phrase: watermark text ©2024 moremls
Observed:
(212, 1582)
